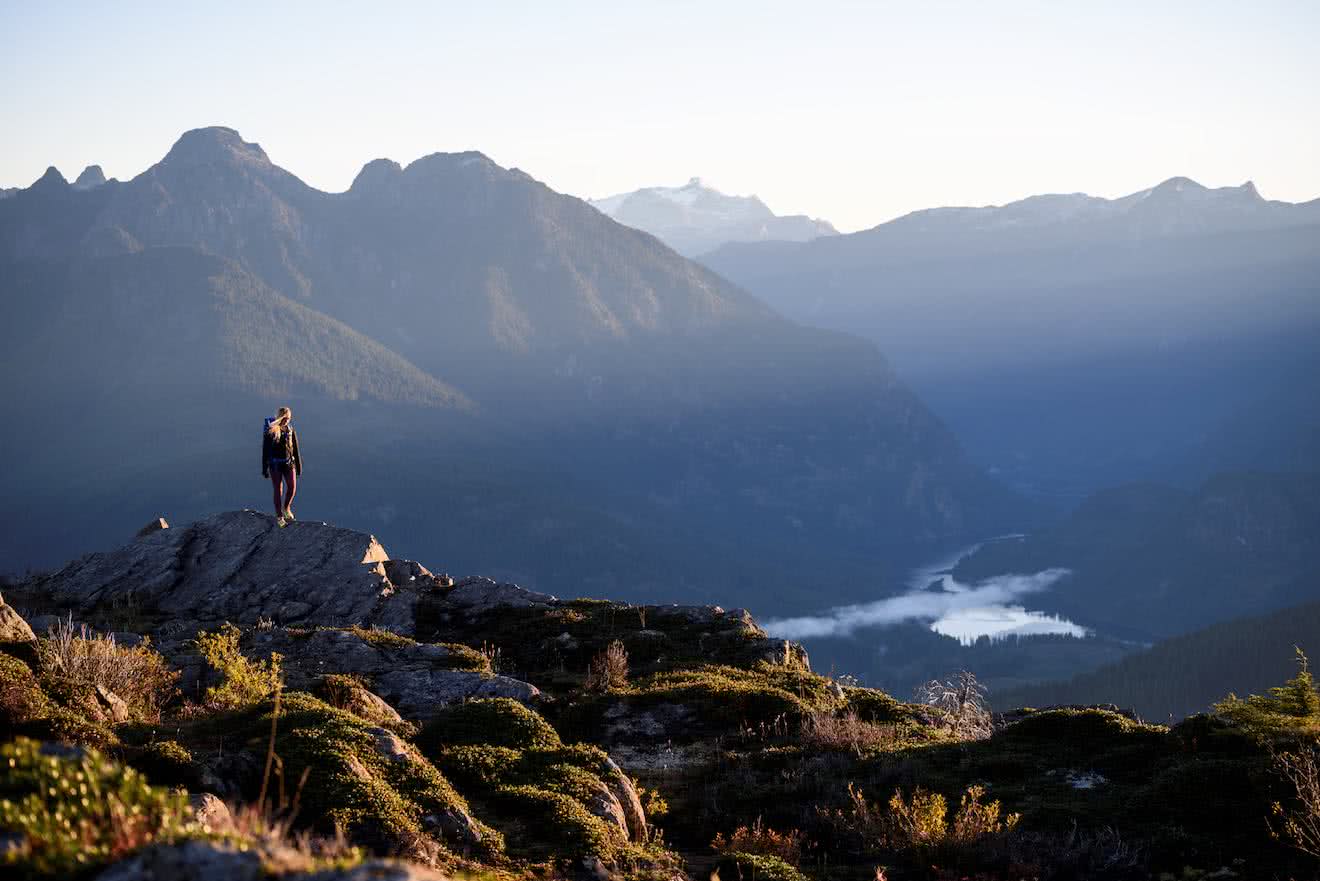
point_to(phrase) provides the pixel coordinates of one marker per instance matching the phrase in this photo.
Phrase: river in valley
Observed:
(996, 608)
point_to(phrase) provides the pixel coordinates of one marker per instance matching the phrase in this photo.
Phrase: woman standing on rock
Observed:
(281, 462)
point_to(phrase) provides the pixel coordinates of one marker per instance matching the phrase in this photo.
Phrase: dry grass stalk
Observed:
(963, 702)
(846, 733)
(609, 669)
(137, 675)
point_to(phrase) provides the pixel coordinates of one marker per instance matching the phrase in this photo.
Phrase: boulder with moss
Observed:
(417, 679)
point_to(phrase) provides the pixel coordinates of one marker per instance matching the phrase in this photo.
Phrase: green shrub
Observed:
(242, 682)
(496, 721)
(732, 695)
(554, 823)
(737, 866)
(375, 799)
(1080, 730)
(21, 698)
(68, 726)
(167, 763)
(873, 705)
(79, 811)
(1291, 708)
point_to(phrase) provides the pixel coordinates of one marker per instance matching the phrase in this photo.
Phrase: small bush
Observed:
(921, 825)
(871, 705)
(555, 820)
(138, 675)
(1293, 707)
(243, 682)
(351, 784)
(757, 839)
(755, 867)
(68, 726)
(496, 721)
(167, 763)
(79, 811)
(21, 698)
(609, 669)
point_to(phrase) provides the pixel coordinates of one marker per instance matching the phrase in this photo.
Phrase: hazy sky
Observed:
(856, 112)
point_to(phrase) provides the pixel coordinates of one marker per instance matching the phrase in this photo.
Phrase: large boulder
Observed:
(12, 626)
(241, 566)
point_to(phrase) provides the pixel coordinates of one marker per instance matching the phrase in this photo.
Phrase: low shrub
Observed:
(70, 726)
(732, 695)
(21, 698)
(1288, 709)
(242, 682)
(872, 705)
(496, 721)
(760, 840)
(167, 763)
(736, 866)
(137, 675)
(920, 826)
(554, 823)
(351, 784)
(77, 811)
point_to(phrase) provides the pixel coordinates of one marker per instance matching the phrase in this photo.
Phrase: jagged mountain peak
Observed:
(375, 174)
(214, 144)
(50, 180)
(92, 176)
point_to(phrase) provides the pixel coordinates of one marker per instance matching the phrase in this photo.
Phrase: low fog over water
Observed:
(953, 608)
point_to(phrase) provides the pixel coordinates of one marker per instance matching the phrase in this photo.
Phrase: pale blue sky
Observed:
(852, 111)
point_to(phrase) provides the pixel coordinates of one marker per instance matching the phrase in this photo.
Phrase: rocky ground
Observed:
(294, 702)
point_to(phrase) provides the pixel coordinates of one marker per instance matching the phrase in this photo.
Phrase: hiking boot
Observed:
(280, 522)
(288, 515)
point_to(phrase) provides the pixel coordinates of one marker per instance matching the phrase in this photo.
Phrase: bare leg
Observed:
(277, 481)
(291, 488)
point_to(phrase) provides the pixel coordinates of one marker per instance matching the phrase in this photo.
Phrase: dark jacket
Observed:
(285, 448)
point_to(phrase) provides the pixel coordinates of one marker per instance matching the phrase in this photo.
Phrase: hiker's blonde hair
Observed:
(280, 422)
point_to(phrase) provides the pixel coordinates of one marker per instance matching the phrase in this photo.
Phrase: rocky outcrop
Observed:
(415, 678)
(12, 626)
(241, 567)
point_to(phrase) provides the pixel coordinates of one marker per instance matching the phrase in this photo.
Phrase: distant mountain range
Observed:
(1075, 342)
(695, 218)
(536, 390)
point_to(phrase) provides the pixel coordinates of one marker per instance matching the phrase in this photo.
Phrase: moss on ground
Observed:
(77, 811)
(498, 721)
(377, 799)
(553, 648)
(166, 763)
(527, 783)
